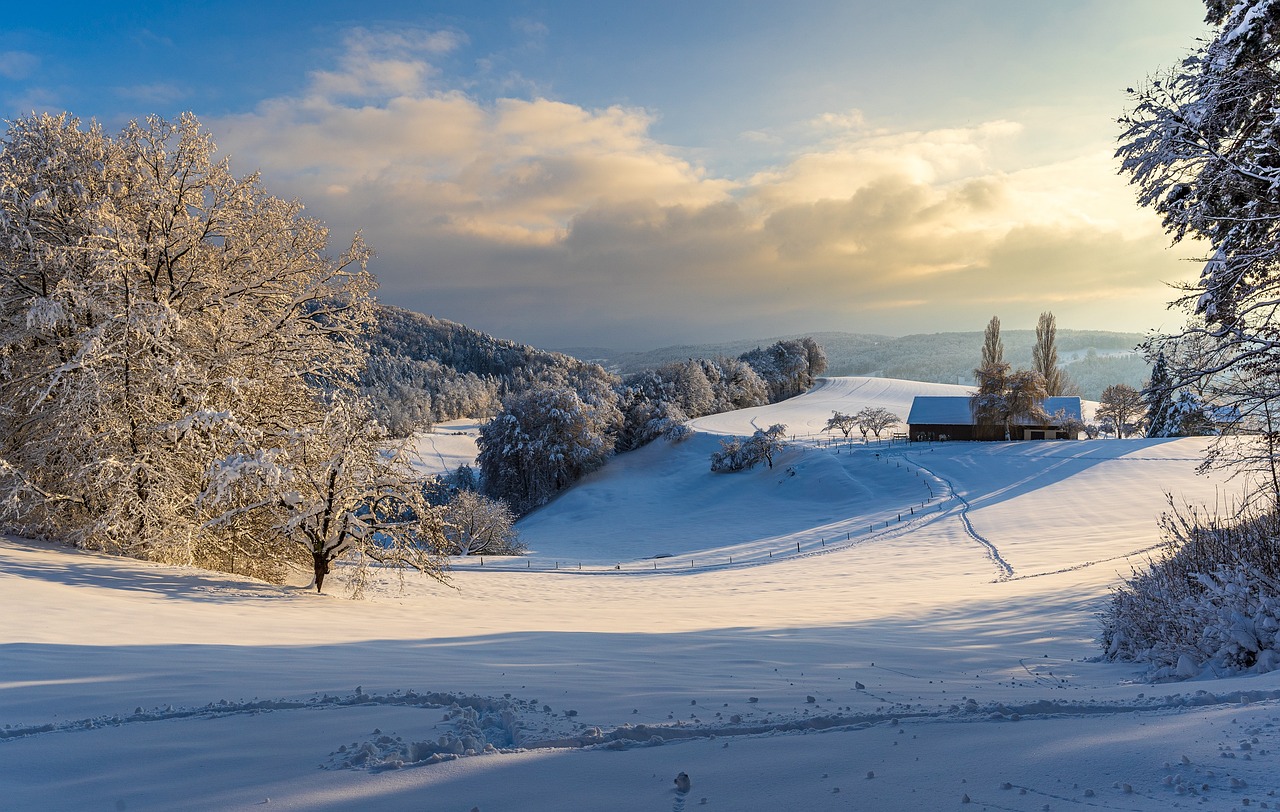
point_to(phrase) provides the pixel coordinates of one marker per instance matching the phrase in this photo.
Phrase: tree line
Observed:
(547, 437)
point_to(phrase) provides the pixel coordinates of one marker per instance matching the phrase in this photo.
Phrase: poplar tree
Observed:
(1044, 356)
(992, 345)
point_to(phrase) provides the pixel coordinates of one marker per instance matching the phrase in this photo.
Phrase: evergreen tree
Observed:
(1162, 413)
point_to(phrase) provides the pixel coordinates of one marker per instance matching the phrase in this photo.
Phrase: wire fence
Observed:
(936, 497)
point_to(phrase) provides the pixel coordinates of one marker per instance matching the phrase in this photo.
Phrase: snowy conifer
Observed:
(1158, 398)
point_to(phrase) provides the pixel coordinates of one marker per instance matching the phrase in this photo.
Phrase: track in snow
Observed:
(1003, 567)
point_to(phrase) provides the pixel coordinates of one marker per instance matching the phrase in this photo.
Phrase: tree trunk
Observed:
(321, 563)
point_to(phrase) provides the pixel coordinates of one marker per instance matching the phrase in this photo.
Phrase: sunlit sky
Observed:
(639, 174)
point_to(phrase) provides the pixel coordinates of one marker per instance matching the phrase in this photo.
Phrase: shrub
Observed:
(1211, 600)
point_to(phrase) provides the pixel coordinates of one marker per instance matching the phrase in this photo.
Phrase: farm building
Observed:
(950, 418)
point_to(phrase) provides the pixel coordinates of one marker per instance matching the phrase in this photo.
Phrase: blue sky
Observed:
(639, 174)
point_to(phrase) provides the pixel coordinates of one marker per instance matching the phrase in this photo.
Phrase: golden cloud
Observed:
(573, 215)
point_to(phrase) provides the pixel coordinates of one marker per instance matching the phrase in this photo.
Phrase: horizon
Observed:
(640, 177)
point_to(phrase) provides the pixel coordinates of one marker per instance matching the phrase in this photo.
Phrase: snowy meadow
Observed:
(882, 626)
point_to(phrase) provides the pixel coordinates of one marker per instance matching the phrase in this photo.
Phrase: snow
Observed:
(889, 664)
(446, 447)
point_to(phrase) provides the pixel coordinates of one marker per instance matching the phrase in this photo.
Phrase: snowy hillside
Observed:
(928, 644)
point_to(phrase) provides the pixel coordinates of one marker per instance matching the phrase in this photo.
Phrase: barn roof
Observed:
(954, 411)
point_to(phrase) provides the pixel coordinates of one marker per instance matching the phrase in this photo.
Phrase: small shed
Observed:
(950, 418)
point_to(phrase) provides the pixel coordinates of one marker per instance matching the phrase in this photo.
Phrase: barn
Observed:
(950, 418)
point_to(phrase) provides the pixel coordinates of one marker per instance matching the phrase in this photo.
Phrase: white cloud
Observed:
(18, 64)
(154, 93)
(384, 64)
(532, 29)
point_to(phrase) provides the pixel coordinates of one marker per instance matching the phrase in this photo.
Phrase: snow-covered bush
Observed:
(1212, 600)
(474, 524)
(737, 454)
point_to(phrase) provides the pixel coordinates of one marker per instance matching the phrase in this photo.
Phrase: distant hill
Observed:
(422, 370)
(421, 337)
(1094, 359)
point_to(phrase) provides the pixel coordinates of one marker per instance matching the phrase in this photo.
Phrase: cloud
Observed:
(160, 93)
(18, 64)
(534, 30)
(546, 221)
(384, 64)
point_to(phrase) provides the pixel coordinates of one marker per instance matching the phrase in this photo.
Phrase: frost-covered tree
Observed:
(1122, 407)
(846, 423)
(335, 493)
(644, 421)
(875, 419)
(1202, 146)
(162, 324)
(410, 395)
(737, 454)
(741, 387)
(659, 402)
(1005, 397)
(477, 525)
(1195, 418)
(992, 345)
(542, 442)
(1069, 424)
(788, 367)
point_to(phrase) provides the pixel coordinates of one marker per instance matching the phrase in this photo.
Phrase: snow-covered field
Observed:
(941, 660)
